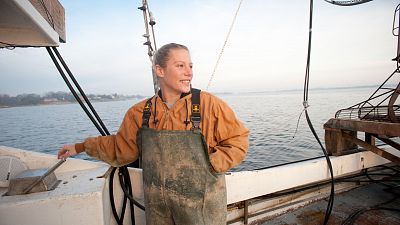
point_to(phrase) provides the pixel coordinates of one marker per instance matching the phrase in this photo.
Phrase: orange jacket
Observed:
(226, 137)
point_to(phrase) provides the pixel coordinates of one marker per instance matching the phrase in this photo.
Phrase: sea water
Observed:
(277, 135)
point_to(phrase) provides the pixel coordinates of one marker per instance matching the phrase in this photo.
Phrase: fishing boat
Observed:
(37, 188)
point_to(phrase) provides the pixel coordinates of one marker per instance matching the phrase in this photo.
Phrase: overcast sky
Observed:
(267, 49)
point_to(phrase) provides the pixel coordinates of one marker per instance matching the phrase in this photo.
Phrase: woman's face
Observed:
(176, 76)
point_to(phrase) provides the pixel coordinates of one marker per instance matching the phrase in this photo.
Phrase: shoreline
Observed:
(67, 102)
(216, 93)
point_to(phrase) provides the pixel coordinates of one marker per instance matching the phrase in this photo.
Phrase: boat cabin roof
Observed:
(31, 23)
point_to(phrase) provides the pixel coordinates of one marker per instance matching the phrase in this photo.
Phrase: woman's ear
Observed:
(159, 71)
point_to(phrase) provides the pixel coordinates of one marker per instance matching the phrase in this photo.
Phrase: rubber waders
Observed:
(179, 185)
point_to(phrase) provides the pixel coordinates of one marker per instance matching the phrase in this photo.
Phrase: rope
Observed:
(48, 14)
(223, 46)
(305, 104)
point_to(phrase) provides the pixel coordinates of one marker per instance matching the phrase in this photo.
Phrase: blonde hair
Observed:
(162, 54)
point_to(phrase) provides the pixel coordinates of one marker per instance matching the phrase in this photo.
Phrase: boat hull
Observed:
(82, 197)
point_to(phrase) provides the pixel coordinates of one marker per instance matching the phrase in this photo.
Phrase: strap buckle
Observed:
(195, 122)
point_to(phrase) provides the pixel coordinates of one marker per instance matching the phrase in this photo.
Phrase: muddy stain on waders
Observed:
(179, 185)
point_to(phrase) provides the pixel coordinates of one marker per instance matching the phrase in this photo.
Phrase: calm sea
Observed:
(271, 118)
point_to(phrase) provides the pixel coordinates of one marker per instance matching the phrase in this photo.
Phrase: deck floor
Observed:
(362, 198)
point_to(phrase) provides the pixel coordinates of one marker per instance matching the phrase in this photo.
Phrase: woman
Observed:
(185, 140)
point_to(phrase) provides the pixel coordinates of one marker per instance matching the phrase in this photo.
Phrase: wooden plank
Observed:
(372, 127)
(369, 138)
(56, 17)
(22, 24)
(373, 149)
(335, 143)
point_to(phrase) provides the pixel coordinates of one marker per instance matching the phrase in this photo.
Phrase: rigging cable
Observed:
(124, 174)
(81, 91)
(223, 46)
(305, 104)
(102, 132)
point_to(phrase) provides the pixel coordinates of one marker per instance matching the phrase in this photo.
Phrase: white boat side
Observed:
(82, 197)
(250, 184)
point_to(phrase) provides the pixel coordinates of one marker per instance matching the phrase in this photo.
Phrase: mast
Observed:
(149, 20)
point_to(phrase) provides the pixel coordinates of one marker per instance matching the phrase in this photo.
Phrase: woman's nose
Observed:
(188, 71)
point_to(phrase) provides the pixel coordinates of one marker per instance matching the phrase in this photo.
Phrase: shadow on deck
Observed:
(375, 204)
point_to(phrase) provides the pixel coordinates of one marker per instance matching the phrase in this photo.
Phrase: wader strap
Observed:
(147, 113)
(195, 117)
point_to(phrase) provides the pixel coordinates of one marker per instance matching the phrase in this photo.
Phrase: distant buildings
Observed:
(57, 98)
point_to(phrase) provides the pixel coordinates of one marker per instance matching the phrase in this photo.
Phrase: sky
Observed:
(266, 50)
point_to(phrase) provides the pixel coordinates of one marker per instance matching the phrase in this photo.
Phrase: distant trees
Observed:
(5, 100)
(60, 96)
(54, 97)
(28, 99)
(23, 99)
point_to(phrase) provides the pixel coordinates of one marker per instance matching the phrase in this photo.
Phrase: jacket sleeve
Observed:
(232, 139)
(118, 149)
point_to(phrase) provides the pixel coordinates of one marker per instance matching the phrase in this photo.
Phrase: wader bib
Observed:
(179, 185)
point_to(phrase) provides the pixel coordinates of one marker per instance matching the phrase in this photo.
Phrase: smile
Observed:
(185, 81)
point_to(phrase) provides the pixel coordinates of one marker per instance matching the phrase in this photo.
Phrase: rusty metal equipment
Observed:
(378, 117)
(34, 180)
(382, 105)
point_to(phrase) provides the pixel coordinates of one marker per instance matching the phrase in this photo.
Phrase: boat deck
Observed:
(376, 204)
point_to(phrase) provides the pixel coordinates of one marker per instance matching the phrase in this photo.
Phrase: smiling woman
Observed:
(183, 166)
(173, 67)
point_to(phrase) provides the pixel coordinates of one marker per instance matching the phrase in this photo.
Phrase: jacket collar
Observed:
(182, 95)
